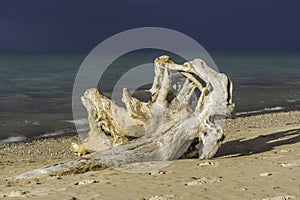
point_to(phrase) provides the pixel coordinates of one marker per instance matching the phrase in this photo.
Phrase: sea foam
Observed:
(277, 108)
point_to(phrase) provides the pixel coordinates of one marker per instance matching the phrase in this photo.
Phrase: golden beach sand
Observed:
(259, 159)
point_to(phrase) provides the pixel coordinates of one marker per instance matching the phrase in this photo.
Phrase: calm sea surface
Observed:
(36, 88)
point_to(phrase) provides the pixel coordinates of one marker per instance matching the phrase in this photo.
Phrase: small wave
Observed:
(35, 123)
(80, 130)
(52, 134)
(13, 139)
(81, 121)
(21, 138)
(292, 100)
(60, 132)
(260, 111)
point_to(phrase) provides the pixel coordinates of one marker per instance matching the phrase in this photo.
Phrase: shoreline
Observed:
(67, 131)
(266, 110)
(259, 158)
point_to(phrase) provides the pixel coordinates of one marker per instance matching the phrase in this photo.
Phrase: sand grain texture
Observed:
(259, 159)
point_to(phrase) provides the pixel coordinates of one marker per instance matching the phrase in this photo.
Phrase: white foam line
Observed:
(292, 100)
(13, 139)
(81, 121)
(260, 111)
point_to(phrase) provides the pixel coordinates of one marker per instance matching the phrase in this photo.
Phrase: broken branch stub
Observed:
(164, 127)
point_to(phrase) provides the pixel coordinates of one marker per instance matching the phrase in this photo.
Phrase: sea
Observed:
(36, 88)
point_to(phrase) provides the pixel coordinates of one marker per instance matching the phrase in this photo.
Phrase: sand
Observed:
(259, 159)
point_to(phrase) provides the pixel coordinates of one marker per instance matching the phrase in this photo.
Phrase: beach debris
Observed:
(157, 172)
(285, 197)
(208, 163)
(16, 193)
(285, 150)
(203, 181)
(265, 174)
(174, 111)
(87, 181)
(232, 155)
(288, 164)
(188, 102)
(78, 149)
(162, 197)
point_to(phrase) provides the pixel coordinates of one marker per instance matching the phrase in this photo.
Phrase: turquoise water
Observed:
(35, 92)
(263, 79)
(36, 88)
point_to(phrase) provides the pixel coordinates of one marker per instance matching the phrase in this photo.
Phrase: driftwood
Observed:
(168, 121)
(188, 102)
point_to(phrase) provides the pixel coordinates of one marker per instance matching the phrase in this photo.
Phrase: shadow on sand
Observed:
(259, 144)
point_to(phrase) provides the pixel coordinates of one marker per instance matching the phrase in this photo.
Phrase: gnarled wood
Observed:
(163, 128)
(164, 121)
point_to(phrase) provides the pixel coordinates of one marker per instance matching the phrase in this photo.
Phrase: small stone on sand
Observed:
(87, 181)
(157, 172)
(207, 164)
(203, 181)
(17, 193)
(265, 174)
(288, 164)
(285, 150)
(287, 197)
(162, 197)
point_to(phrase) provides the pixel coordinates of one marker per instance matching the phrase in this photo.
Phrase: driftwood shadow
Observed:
(260, 144)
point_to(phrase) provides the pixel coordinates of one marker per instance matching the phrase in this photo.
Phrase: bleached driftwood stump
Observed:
(165, 125)
(161, 129)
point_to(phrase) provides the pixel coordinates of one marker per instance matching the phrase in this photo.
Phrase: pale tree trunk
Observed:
(163, 128)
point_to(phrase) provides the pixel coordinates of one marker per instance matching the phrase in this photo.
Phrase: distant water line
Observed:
(36, 88)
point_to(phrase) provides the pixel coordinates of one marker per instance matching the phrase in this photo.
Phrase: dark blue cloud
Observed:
(79, 25)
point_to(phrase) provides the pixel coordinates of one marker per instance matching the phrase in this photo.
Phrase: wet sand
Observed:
(259, 159)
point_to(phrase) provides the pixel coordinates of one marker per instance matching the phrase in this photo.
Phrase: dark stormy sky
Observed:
(79, 25)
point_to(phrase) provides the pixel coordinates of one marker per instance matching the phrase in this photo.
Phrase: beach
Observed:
(259, 159)
(116, 100)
